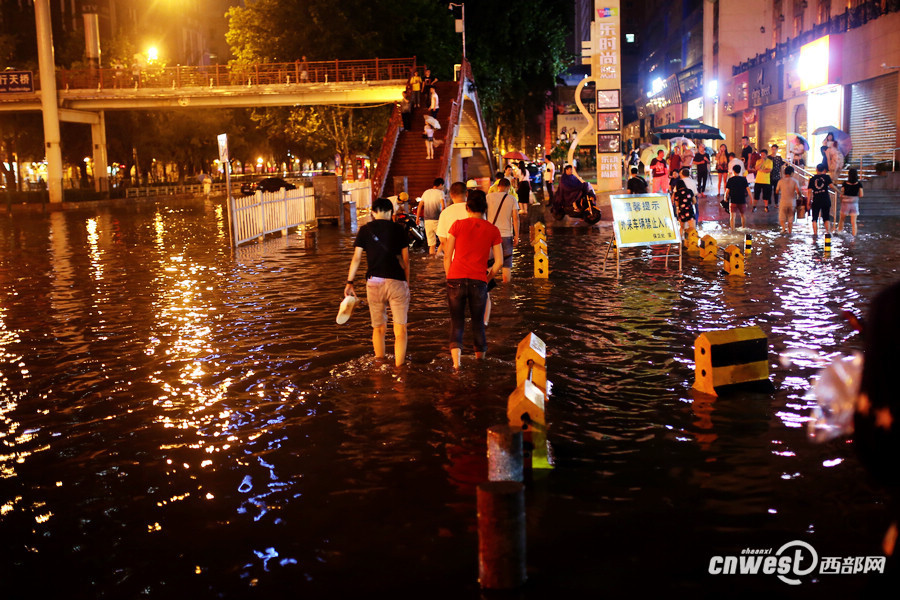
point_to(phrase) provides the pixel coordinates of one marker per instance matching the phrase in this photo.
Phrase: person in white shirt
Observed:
(429, 211)
(732, 161)
(502, 213)
(454, 212)
(549, 176)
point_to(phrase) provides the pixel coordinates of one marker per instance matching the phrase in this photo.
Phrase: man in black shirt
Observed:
(819, 198)
(737, 190)
(636, 184)
(387, 276)
(746, 151)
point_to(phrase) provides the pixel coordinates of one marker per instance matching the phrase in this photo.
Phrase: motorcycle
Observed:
(414, 233)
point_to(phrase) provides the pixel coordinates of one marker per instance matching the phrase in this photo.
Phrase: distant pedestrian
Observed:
(737, 190)
(303, 67)
(820, 199)
(387, 276)
(683, 198)
(732, 161)
(777, 170)
(746, 151)
(549, 176)
(501, 212)
(851, 192)
(428, 83)
(722, 167)
(701, 163)
(452, 213)
(429, 212)
(434, 103)
(660, 171)
(636, 184)
(415, 84)
(523, 188)
(406, 111)
(788, 192)
(687, 156)
(762, 186)
(429, 141)
(469, 243)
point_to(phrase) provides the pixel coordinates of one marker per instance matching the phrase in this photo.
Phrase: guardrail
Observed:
(246, 74)
(268, 212)
(893, 152)
(386, 156)
(195, 189)
(359, 192)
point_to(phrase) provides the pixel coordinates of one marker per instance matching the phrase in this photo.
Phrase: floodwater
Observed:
(178, 419)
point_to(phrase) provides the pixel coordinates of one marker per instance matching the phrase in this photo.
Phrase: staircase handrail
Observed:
(383, 165)
(892, 152)
(452, 120)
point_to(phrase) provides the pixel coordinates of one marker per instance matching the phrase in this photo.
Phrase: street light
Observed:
(460, 23)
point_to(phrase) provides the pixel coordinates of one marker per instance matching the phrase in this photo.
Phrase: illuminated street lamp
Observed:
(152, 54)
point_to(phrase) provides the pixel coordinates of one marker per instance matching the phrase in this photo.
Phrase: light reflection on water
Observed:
(163, 395)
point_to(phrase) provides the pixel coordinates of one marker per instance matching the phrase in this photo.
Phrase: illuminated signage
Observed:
(15, 82)
(643, 219)
(819, 62)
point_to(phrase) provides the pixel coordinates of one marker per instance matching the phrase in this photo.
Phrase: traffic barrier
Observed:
(692, 241)
(501, 535)
(733, 261)
(504, 453)
(827, 242)
(526, 406)
(748, 244)
(709, 248)
(730, 358)
(541, 252)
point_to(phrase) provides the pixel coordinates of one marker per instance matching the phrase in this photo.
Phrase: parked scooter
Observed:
(415, 233)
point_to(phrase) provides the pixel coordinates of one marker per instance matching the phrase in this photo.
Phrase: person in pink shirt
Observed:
(469, 244)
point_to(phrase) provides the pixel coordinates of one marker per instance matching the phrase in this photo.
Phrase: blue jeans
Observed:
(474, 293)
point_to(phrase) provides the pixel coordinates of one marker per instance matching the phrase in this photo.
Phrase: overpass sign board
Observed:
(16, 82)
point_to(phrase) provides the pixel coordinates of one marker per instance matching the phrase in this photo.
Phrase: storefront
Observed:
(765, 85)
(873, 118)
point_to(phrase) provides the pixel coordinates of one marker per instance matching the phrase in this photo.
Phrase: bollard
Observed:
(504, 453)
(540, 244)
(733, 261)
(501, 535)
(827, 242)
(748, 244)
(731, 357)
(531, 348)
(539, 229)
(525, 408)
(541, 264)
(692, 241)
(534, 372)
(709, 248)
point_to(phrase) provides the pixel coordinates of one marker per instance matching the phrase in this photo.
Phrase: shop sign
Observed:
(764, 84)
(690, 82)
(737, 97)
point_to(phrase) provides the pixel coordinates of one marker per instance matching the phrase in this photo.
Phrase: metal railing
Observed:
(386, 156)
(246, 74)
(359, 192)
(264, 213)
(893, 153)
(851, 18)
(194, 189)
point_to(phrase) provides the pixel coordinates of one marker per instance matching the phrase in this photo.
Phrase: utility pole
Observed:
(461, 23)
(49, 105)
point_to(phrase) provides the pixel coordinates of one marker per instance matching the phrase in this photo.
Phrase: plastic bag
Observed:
(835, 393)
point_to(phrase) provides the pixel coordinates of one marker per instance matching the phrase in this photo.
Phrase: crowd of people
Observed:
(752, 180)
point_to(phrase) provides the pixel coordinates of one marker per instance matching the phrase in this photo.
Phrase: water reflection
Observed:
(163, 395)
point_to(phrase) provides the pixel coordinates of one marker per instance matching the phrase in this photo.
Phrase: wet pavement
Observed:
(179, 419)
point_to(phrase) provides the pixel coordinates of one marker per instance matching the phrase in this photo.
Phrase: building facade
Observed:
(794, 66)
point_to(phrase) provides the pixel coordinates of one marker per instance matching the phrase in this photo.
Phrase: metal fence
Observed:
(359, 192)
(264, 213)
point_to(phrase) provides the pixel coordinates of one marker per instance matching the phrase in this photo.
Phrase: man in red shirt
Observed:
(469, 244)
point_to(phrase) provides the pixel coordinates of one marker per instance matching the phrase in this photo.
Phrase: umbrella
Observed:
(798, 140)
(432, 121)
(677, 141)
(689, 128)
(842, 138)
(515, 156)
(648, 154)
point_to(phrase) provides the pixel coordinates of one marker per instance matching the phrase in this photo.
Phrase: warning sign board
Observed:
(644, 219)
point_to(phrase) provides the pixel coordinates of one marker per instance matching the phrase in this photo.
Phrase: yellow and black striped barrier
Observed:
(748, 244)
(526, 406)
(827, 242)
(541, 252)
(692, 241)
(709, 247)
(733, 261)
(731, 358)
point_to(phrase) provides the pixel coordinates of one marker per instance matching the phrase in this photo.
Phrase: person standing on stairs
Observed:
(429, 140)
(434, 103)
(415, 84)
(428, 83)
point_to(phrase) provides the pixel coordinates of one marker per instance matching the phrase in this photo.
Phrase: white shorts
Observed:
(431, 231)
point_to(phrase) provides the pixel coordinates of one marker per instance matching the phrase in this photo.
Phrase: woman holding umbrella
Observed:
(430, 125)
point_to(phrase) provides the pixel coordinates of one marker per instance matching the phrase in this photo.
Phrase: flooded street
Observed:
(180, 419)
